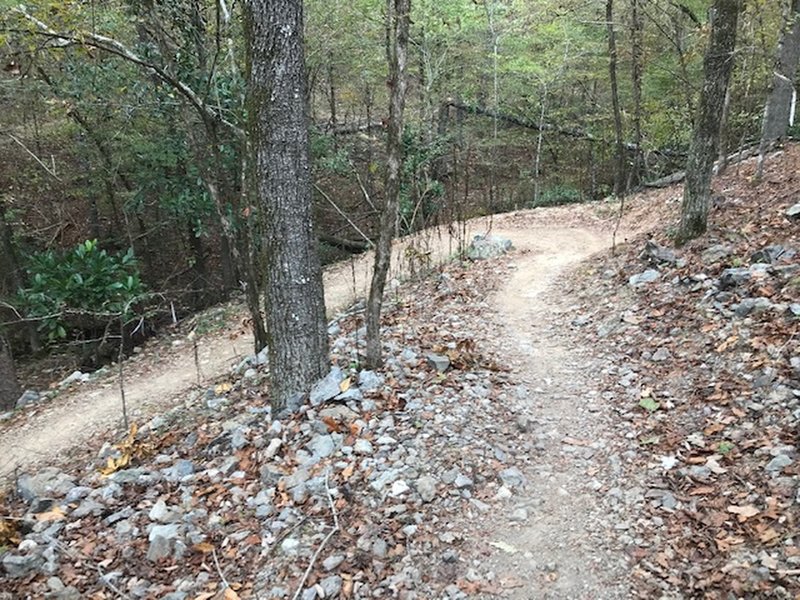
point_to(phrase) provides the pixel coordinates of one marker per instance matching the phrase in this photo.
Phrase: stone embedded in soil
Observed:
(426, 488)
(327, 388)
(648, 276)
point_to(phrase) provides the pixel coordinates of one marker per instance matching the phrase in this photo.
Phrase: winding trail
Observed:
(560, 550)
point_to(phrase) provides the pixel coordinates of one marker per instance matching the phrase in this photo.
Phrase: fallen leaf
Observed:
(744, 512)
(507, 548)
(56, 514)
(345, 385)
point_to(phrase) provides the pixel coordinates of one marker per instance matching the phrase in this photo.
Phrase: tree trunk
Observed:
(637, 54)
(9, 388)
(778, 109)
(398, 17)
(717, 67)
(619, 147)
(278, 113)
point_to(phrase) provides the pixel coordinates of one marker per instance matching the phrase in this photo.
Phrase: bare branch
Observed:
(50, 170)
(112, 46)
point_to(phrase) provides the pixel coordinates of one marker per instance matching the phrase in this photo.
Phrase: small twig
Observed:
(324, 542)
(50, 171)
(120, 358)
(342, 213)
(193, 337)
(78, 556)
(225, 583)
(286, 534)
(617, 224)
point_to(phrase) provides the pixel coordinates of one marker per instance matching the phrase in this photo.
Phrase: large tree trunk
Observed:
(637, 55)
(619, 147)
(9, 388)
(398, 21)
(778, 110)
(278, 113)
(717, 67)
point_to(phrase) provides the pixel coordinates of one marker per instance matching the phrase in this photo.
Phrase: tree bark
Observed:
(398, 14)
(9, 388)
(619, 148)
(778, 109)
(637, 55)
(278, 127)
(717, 67)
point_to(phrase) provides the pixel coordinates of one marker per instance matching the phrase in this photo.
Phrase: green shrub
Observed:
(557, 195)
(81, 289)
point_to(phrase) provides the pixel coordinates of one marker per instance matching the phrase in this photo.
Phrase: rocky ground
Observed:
(543, 428)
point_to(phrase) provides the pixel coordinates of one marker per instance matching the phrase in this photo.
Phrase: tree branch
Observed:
(112, 46)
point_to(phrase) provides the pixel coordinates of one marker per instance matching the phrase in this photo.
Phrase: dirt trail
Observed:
(81, 413)
(560, 548)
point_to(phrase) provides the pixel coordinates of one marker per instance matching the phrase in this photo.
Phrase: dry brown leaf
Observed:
(56, 514)
(744, 512)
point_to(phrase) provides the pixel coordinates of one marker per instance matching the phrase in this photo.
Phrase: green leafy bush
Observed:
(80, 289)
(558, 195)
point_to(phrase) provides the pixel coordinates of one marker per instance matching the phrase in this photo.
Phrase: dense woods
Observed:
(124, 131)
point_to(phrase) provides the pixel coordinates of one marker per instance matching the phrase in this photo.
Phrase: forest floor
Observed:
(609, 426)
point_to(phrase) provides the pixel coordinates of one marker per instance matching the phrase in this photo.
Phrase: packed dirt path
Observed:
(86, 410)
(558, 550)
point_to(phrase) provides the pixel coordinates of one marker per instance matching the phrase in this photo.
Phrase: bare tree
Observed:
(278, 132)
(619, 147)
(717, 67)
(398, 16)
(778, 111)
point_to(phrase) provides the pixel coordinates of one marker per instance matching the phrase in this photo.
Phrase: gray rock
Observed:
(426, 488)
(162, 541)
(408, 356)
(239, 438)
(730, 278)
(519, 515)
(369, 381)
(363, 446)
(86, 508)
(716, 253)
(163, 513)
(77, 493)
(332, 562)
(321, 446)
(648, 276)
(353, 393)
(512, 477)
(327, 388)
(795, 362)
(338, 412)
(28, 397)
(462, 481)
(49, 482)
(74, 377)
(438, 361)
(21, 566)
(660, 355)
(380, 548)
(655, 254)
(182, 468)
(668, 501)
(771, 254)
(779, 463)
(484, 247)
(296, 478)
(331, 585)
(290, 546)
(793, 212)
